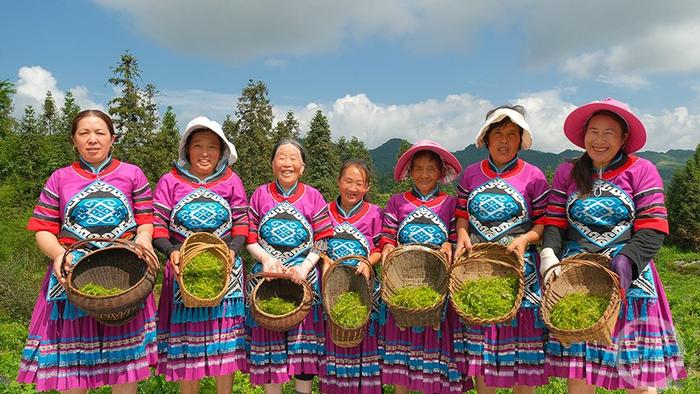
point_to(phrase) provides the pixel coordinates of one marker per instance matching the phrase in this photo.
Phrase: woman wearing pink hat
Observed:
(420, 359)
(503, 199)
(609, 201)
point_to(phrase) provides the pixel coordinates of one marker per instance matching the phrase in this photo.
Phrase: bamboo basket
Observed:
(285, 286)
(124, 265)
(195, 244)
(338, 279)
(487, 259)
(415, 266)
(586, 272)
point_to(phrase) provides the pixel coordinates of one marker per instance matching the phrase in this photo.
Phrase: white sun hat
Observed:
(204, 123)
(515, 117)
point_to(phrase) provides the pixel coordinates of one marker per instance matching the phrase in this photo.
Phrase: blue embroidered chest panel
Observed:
(496, 207)
(602, 217)
(285, 232)
(422, 226)
(202, 210)
(100, 209)
(347, 240)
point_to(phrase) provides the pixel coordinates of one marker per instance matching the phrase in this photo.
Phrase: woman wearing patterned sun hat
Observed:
(201, 194)
(510, 354)
(420, 358)
(97, 196)
(645, 353)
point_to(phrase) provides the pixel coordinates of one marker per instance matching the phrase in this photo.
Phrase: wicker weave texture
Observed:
(485, 260)
(285, 286)
(415, 266)
(195, 244)
(116, 266)
(337, 280)
(587, 273)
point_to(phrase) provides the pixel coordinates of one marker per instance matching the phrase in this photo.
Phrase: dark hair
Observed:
(91, 112)
(288, 141)
(583, 166)
(430, 155)
(222, 144)
(500, 124)
(362, 166)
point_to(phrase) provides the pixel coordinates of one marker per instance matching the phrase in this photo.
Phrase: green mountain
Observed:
(384, 158)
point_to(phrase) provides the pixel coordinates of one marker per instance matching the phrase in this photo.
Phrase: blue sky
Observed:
(410, 69)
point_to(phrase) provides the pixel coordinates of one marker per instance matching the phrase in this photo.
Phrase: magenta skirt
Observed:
(67, 349)
(645, 352)
(198, 342)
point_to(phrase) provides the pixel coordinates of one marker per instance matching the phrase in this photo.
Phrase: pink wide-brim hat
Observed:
(452, 166)
(575, 123)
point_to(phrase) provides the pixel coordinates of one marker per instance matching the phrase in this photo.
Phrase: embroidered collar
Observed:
(95, 170)
(286, 193)
(355, 209)
(278, 193)
(87, 171)
(619, 160)
(425, 197)
(184, 172)
(508, 167)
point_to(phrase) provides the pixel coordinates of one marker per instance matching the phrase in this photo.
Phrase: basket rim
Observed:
(615, 297)
(305, 288)
(69, 278)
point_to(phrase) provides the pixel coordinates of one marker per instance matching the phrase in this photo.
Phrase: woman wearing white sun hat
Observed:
(509, 354)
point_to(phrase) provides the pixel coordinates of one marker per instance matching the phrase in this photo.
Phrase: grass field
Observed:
(682, 289)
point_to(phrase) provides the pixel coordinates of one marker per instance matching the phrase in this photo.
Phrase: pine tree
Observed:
(254, 142)
(287, 128)
(49, 121)
(134, 113)
(230, 128)
(322, 162)
(68, 111)
(684, 204)
(28, 169)
(7, 89)
(166, 140)
(127, 110)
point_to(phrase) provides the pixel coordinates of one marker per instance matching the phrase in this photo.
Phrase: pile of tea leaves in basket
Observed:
(276, 306)
(415, 297)
(203, 276)
(349, 311)
(576, 311)
(487, 297)
(93, 289)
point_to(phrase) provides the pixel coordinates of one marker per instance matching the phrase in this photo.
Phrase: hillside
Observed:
(384, 158)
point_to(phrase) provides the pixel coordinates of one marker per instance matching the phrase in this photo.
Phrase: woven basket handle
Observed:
(568, 262)
(148, 257)
(362, 259)
(278, 275)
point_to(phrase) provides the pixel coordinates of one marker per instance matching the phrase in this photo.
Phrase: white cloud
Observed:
(455, 120)
(620, 43)
(35, 81)
(188, 104)
(242, 30)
